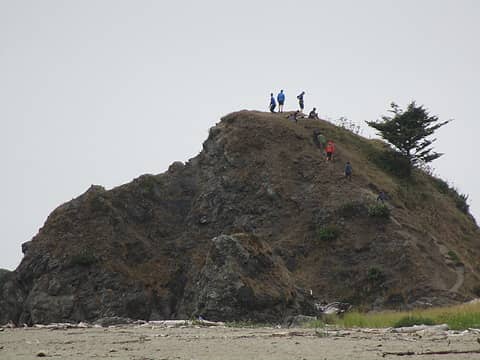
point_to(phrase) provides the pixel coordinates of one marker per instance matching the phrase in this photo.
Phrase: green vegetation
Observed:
(328, 232)
(454, 257)
(380, 211)
(411, 320)
(457, 317)
(375, 274)
(461, 200)
(409, 131)
(85, 258)
(392, 162)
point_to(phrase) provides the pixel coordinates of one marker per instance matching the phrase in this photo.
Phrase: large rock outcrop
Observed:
(167, 246)
(243, 280)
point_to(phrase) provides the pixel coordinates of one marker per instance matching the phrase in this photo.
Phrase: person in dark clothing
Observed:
(294, 116)
(273, 104)
(301, 104)
(348, 171)
(313, 114)
(281, 100)
(382, 197)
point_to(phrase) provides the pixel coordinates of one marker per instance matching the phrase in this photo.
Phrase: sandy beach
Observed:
(195, 343)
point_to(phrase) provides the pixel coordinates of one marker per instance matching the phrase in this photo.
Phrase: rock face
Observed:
(241, 230)
(243, 280)
(11, 297)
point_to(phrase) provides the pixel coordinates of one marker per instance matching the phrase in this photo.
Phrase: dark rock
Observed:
(25, 246)
(12, 297)
(242, 280)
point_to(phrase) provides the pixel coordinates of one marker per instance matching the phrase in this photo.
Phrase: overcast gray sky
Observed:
(99, 92)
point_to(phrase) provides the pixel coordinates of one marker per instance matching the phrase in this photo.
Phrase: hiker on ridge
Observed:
(348, 171)
(313, 114)
(382, 197)
(300, 101)
(281, 100)
(322, 140)
(273, 104)
(330, 149)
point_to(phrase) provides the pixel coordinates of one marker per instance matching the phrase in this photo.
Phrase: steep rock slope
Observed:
(153, 248)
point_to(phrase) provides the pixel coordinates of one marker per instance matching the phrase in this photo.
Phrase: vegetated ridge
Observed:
(258, 226)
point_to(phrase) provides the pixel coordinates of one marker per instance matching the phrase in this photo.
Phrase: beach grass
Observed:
(458, 317)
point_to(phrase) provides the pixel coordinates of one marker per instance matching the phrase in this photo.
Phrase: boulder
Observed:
(243, 280)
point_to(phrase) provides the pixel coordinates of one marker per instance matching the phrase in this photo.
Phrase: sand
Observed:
(192, 343)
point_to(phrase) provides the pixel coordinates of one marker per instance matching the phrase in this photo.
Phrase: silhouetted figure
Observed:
(301, 104)
(273, 104)
(313, 114)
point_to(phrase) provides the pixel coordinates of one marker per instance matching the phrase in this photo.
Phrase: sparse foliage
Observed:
(375, 274)
(328, 233)
(379, 211)
(409, 132)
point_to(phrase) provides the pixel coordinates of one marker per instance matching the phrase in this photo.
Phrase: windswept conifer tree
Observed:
(409, 131)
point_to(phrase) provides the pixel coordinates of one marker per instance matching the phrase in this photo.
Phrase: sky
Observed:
(102, 91)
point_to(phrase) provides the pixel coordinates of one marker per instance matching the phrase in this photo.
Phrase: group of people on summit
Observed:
(301, 104)
(327, 147)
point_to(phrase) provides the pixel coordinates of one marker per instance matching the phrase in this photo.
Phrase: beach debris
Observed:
(62, 326)
(181, 323)
(441, 352)
(418, 328)
(113, 320)
(333, 308)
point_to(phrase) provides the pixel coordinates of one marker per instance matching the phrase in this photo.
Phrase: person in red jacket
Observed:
(330, 149)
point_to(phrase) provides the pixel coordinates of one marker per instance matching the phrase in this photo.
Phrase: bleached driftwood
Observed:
(417, 328)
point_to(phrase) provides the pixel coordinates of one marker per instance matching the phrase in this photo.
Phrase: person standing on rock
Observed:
(322, 140)
(330, 149)
(348, 171)
(301, 104)
(273, 104)
(281, 100)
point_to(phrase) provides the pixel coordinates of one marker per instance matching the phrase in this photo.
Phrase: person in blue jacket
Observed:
(281, 100)
(273, 104)
(348, 171)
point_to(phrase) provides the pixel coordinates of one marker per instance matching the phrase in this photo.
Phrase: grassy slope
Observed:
(422, 216)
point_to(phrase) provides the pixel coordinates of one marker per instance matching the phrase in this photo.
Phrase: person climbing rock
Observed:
(330, 149)
(382, 197)
(313, 114)
(322, 140)
(301, 104)
(273, 104)
(348, 171)
(281, 100)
